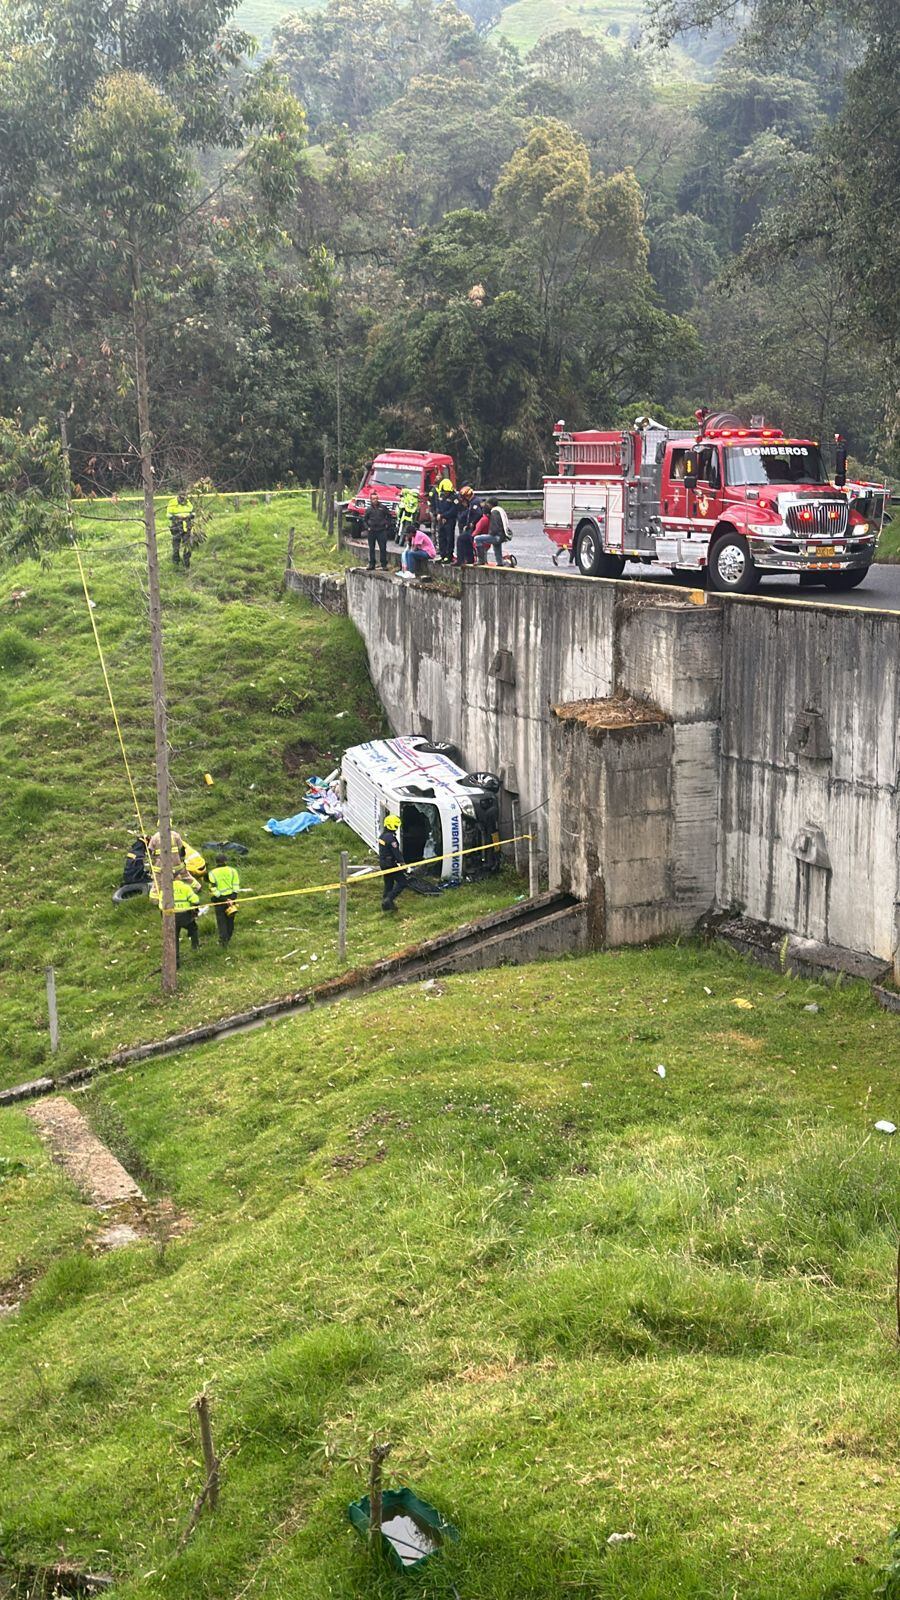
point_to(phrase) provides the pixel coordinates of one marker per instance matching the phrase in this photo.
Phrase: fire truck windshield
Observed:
(758, 464)
(396, 477)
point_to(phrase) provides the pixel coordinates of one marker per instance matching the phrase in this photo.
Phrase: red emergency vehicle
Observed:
(395, 470)
(726, 499)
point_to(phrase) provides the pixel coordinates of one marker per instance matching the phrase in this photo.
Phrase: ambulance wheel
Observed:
(836, 581)
(441, 747)
(591, 559)
(731, 568)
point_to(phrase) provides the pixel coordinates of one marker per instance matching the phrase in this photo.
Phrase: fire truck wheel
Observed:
(591, 558)
(836, 581)
(731, 569)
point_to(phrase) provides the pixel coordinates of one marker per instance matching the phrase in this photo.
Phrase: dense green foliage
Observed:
(265, 690)
(578, 1298)
(729, 242)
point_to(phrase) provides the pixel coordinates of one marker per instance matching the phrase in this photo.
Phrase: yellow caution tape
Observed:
(371, 877)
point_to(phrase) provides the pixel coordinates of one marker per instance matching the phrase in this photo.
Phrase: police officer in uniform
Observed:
(224, 884)
(390, 857)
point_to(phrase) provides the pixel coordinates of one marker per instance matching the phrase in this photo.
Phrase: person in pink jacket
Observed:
(418, 554)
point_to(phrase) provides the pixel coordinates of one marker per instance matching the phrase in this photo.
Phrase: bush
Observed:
(16, 650)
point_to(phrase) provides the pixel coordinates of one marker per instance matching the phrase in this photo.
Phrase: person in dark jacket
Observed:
(378, 526)
(137, 863)
(447, 513)
(469, 516)
(390, 856)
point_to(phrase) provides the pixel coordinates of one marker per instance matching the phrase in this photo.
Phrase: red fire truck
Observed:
(396, 470)
(728, 500)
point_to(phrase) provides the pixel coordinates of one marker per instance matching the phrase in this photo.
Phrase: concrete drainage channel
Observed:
(551, 924)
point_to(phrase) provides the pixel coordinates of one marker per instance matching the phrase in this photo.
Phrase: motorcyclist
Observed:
(407, 514)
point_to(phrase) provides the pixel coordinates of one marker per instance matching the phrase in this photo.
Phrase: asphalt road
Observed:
(879, 592)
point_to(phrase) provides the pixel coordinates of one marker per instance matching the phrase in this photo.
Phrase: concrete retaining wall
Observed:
(810, 817)
(781, 749)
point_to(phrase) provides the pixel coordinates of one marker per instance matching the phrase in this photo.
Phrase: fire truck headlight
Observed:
(762, 527)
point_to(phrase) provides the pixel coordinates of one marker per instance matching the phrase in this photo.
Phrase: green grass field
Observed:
(578, 1298)
(264, 690)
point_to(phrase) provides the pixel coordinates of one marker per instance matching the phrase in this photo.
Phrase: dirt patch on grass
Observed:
(300, 759)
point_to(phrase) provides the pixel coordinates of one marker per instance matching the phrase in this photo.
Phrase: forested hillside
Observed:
(476, 240)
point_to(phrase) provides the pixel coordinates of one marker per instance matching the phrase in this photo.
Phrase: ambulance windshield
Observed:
(759, 464)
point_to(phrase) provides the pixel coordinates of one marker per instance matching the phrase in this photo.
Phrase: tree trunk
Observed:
(160, 732)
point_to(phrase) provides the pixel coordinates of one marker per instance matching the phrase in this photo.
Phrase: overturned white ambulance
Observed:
(450, 819)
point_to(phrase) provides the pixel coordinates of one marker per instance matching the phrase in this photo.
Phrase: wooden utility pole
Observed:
(160, 730)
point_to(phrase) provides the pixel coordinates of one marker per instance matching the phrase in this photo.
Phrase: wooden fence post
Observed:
(380, 1452)
(290, 548)
(342, 908)
(533, 884)
(209, 1455)
(50, 975)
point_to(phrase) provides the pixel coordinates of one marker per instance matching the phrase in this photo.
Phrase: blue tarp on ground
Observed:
(290, 827)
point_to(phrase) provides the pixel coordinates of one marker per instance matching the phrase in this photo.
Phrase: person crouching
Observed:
(419, 554)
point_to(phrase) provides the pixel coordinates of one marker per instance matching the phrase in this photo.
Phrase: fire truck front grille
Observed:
(826, 519)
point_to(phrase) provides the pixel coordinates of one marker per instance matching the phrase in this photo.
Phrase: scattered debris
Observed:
(742, 1004)
(813, 1008)
(660, 1071)
(886, 1127)
(621, 1538)
(619, 711)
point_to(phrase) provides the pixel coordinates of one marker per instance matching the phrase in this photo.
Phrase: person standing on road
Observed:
(447, 513)
(407, 515)
(377, 526)
(469, 515)
(390, 859)
(224, 884)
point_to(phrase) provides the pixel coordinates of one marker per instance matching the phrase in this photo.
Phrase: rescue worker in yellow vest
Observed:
(180, 512)
(186, 902)
(407, 515)
(224, 885)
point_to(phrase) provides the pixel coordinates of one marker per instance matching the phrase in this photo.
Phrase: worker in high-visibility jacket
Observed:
(224, 885)
(180, 512)
(407, 515)
(187, 901)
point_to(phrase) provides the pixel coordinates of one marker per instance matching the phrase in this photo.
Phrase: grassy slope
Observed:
(251, 672)
(578, 1298)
